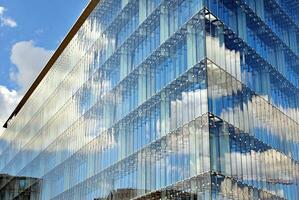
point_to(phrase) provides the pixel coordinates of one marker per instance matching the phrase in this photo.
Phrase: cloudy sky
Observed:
(30, 31)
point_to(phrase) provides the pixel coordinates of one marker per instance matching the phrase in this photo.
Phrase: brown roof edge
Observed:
(89, 8)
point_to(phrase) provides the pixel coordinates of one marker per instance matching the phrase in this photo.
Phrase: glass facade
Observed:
(166, 99)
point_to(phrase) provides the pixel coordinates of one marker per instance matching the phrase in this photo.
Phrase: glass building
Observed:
(165, 99)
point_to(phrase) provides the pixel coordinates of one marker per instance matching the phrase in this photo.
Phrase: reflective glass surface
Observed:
(166, 99)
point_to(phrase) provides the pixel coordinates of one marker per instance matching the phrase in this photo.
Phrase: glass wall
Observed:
(252, 77)
(167, 99)
(128, 115)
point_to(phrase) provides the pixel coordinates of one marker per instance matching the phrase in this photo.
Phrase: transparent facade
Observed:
(167, 99)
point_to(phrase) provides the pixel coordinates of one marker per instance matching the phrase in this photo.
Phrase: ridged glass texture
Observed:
(252, 77)
(167, 99)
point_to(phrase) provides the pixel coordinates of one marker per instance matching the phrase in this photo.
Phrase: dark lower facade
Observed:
(19, 188)
(166, 99)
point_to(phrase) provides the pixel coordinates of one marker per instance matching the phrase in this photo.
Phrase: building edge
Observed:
(81, 19)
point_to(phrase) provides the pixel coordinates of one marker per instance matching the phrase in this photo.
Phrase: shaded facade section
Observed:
(19, 188)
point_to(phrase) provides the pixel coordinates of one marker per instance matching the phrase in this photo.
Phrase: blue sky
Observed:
(30, 30)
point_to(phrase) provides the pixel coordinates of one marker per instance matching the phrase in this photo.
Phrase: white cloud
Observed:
(6, 21)
(8, 101)
(29, 60)
(9, 22)
(2, 9)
